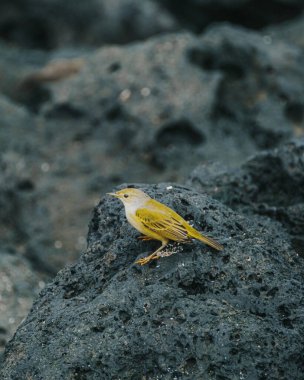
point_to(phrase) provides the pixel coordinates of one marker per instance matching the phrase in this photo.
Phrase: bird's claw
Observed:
(142, 261)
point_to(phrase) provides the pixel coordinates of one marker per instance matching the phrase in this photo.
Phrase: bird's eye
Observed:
(126, 195)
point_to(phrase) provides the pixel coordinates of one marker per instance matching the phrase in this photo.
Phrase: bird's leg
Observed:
(154, 255)
(144, 237)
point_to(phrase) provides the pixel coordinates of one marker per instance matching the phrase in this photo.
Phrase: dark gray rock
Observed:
(219, 97)
(270, 183)
(154, 115)
(18, 207)
(24, 72)
(54, 24)
(168, 104)
(19, 285)
(197, 14)
(15, 65)
(259, 90)
(16, 121)
(291, 31)
(24, 213)
(38, 204)
(196, 314)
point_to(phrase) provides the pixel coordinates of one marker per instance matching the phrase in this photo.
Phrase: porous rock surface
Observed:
(219, 97)
(198, 314)
(19, 285)
(270, 183)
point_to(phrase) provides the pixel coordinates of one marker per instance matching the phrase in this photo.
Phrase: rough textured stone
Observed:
(259, 90)
(196, 314)
(38, 195)
(218, 97)
(15, 65)
(55, 24)
(19, 285)
(24, 220)
(291, 31)
(197, 14)
(270, 183)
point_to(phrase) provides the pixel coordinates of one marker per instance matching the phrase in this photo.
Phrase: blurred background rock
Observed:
(96, 93)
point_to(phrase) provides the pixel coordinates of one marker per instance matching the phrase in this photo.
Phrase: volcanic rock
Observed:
(19, 285)
(270, 183)
(195, 314)
(54, 24)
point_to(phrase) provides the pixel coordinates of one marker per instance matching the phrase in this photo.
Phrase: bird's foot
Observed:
(154, 256)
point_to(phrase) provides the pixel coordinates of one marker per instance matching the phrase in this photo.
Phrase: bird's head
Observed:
(131, 196)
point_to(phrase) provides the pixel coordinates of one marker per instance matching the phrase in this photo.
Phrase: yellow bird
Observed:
(157, 221)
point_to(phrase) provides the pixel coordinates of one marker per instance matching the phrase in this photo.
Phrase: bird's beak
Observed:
(113, 195)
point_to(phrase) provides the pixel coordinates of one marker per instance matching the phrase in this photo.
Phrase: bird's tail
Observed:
(207, 240)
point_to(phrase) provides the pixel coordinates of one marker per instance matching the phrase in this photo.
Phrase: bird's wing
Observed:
(163, 224)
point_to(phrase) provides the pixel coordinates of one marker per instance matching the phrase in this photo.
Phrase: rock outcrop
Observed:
(195, 314)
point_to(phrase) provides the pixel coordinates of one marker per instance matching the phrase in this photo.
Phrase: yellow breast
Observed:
(136, 223)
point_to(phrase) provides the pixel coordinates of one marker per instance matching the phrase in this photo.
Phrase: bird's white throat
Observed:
(131, 207)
